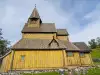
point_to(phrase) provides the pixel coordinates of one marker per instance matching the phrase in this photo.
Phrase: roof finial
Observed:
(35, 5)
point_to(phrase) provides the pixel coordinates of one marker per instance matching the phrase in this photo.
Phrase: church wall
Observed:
(76, 59)
(39, 36)
(6, 63)
(65, 38)
(73, 60)
(86, 60)
(38, 59)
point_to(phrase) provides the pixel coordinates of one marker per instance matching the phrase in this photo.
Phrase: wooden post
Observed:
(63, 58)
(11, 65)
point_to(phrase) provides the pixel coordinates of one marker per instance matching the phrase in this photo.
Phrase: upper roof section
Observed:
(34, 14)
(62, 32)
(44, 28)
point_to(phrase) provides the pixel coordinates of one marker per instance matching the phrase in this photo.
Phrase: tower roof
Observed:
(34, 14)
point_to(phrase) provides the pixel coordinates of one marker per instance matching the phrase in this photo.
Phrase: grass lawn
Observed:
(94, 71)
(95, 53)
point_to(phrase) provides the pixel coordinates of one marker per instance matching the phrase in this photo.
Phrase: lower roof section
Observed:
(39, 44)
(44, 44)
(81, 45)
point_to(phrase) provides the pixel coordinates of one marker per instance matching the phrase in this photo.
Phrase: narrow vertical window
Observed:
(22, 57)
(70, 54)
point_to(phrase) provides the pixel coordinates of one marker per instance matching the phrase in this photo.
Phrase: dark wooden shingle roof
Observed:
(38, 44)
(82, 46)
(62, 32)
(34, 14)
(70, 46)
(44, 28)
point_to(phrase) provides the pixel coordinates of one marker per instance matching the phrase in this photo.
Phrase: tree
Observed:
(92, 43)
(3, 44)
(1, 34)
(98, 41)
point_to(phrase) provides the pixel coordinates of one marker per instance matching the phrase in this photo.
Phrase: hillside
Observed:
(96, 55)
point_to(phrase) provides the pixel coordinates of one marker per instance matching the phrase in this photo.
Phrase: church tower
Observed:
(34, 20)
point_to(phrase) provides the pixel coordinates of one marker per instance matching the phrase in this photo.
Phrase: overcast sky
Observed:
(80, 17)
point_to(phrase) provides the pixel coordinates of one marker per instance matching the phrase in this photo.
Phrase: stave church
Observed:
(43, 47)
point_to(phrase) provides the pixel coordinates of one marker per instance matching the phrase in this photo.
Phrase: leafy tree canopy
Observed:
(94, 43)
(3, 44)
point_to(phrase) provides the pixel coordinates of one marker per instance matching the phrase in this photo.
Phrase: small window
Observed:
(82, 55)
(22, 57)
(70, 54)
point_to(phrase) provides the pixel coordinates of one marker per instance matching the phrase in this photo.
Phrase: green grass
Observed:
(95, 53)
(94, 71)
(47, 73)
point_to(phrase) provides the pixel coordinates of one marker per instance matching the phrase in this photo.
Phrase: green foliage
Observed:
(92, 43)
(98, 41)
(3, 44)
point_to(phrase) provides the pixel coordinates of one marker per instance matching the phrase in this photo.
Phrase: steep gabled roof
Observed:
(62, 32)
(82, 46)
(34, 14)
(37, 44)
(45, 27)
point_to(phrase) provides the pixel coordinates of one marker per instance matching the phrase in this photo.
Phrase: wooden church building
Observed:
(42, 46)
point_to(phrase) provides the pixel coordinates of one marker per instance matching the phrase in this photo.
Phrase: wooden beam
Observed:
(11, 65)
